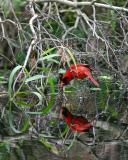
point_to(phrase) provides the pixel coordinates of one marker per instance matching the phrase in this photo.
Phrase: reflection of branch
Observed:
(15, 138)
(77, 4)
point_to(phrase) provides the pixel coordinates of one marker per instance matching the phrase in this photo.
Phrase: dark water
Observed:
(114, 151)
(33, 150)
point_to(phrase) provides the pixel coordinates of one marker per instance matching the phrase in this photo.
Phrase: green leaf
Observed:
(11, 122)
(54, 60)
(36, 77)
(49, 146)
(62, 71)
(20, 57)
(34, 113)
(11, 79)
(24, 125)
(46, 109)
(23, 104)
(3, 82)
(48, 57)
(39, 97)
(48, 51)
(1, 77)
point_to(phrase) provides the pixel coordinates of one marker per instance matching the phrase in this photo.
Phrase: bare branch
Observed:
(77, 4)
(2, 27)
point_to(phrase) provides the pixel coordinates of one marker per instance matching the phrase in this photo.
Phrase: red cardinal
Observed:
(76, 123)
(79, 71)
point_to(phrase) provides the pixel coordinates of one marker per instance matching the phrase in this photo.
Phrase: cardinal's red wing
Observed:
(78, 123)
(80, 127)
(81, 72)
(79, 120)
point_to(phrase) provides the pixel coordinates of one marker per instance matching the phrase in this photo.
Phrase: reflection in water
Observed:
(114, 151)
(104, 151)
(33, 150)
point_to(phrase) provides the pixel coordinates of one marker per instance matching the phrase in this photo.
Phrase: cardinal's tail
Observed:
(93, 81)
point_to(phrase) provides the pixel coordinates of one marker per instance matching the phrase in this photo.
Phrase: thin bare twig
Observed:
(58, 15)
(71, 28)
(94, 18)
(85, 17)
(2, 27)
(34, 39)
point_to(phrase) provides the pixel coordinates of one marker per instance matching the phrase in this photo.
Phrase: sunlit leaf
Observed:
(62, 71)
(49, 146)
(48, 51)
(105, 77)
(95, 89)
(3, 82)
(39, 97)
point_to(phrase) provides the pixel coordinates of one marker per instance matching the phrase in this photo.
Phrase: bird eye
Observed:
(64, 112)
